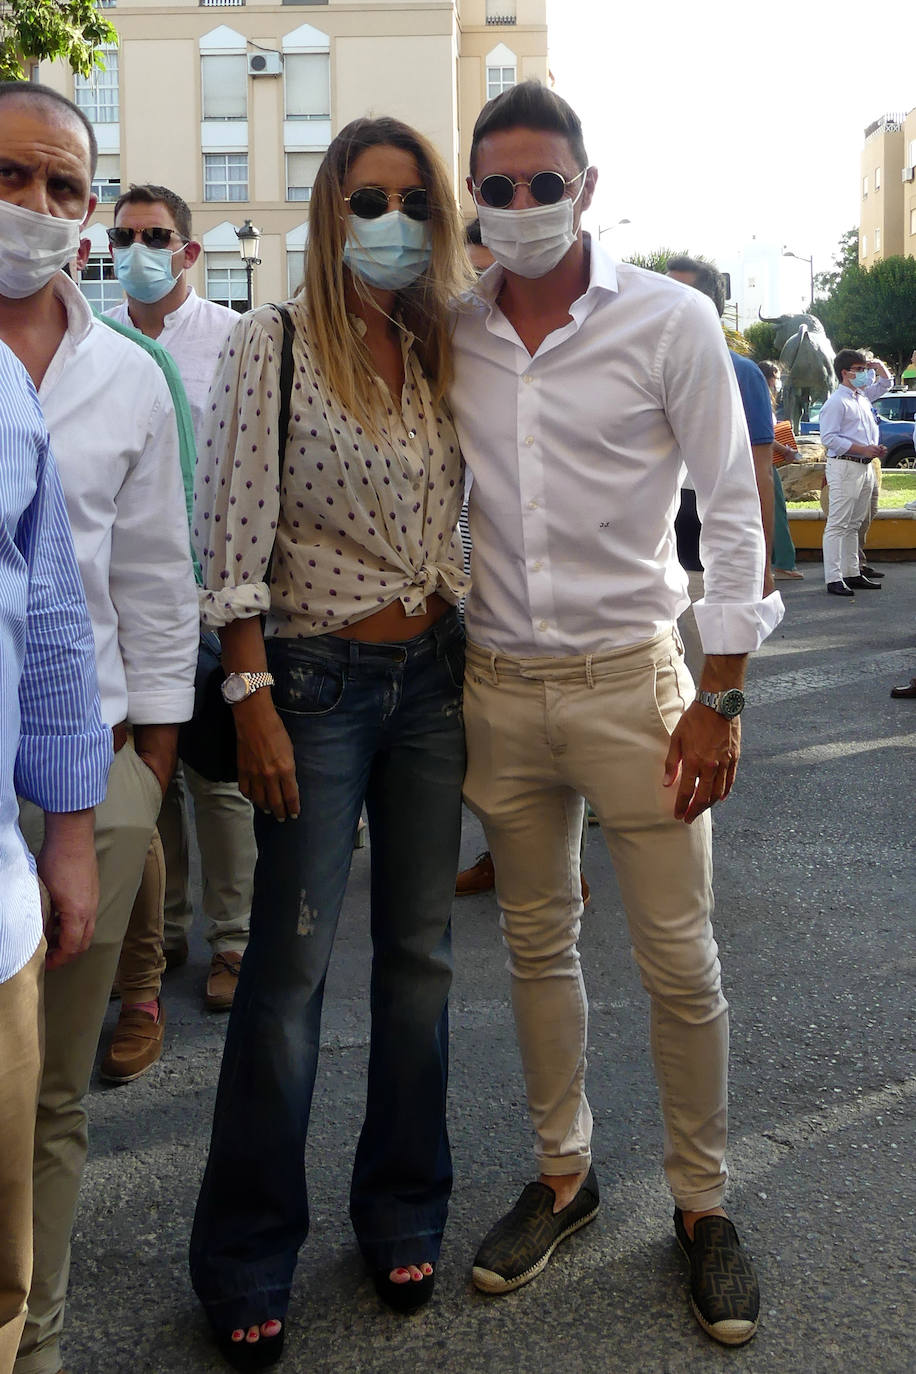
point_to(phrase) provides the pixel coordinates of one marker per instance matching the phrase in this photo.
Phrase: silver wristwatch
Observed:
(237, 686)
(729, 703)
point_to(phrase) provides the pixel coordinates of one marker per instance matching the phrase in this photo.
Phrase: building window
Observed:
(499, 79)
(500, 11)
(864, 187)
(307, 77)
(99, 284)
(227, 280)
(877, 240)
(225, 176)
(106, 184)
(300, 174)
(864, 252)
(97, 95)
(913, 221)
(224, 86)
(877, 178)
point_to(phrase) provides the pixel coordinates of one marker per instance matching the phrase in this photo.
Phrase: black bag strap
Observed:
(286, 391)
(286, 379)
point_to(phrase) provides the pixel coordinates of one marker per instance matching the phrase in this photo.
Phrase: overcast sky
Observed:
(716, 121)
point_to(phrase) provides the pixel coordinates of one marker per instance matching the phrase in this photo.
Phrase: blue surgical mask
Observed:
(145, 273)
(389, 252)
(865, 378)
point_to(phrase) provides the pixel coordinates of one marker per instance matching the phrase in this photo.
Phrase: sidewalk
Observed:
(815, 889)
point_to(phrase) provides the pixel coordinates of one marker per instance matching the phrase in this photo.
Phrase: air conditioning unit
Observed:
(907, 173)
(265, 64)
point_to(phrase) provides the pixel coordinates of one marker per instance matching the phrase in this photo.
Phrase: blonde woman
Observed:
(351, 693)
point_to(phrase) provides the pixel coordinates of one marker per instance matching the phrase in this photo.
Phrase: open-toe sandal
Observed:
(251, 1355)
(404, 1297)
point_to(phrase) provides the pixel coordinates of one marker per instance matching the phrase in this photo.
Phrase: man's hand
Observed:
(67, 867)
(157, 746)
(703, 756)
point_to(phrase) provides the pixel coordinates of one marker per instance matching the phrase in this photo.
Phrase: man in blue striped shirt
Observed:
(54, 750)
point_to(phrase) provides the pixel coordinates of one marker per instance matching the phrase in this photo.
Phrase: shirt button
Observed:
(411, 434)
(529, 440)
(542, 625)
(527, 379)
(532, 505)
(537, 566)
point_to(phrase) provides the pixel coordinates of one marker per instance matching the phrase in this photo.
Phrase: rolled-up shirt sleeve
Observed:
(704, 408)
(64, 748)
(236, 490)
(151, 578)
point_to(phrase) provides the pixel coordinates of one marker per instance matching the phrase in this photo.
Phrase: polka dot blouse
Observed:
(354, 523)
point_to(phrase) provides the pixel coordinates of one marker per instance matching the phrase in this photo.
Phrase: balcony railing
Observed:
(501, 19)
(218, 4)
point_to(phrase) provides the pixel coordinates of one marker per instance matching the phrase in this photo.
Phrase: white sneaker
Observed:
(909, 505)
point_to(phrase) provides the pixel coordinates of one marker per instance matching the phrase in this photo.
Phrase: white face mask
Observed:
(529, 242)
(32, 248)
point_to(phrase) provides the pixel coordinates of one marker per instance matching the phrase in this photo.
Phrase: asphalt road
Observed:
(815, 881)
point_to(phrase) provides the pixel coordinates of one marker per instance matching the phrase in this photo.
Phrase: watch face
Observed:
(234, 688)
(731, 703)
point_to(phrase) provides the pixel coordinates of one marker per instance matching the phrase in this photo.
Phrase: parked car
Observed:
(895, 412)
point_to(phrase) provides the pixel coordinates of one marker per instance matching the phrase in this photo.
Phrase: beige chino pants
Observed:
(76, 996)
(541, 734)
(20, 1072)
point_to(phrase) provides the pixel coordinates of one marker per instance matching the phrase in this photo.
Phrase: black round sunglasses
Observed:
(371, 202)
(547, 188)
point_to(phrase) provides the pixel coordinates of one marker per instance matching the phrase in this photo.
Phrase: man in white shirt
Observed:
(113, 430)
(850, 434)
(581, 388)
(152, 248)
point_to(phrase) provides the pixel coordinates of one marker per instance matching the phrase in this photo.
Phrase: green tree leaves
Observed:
(44, 30)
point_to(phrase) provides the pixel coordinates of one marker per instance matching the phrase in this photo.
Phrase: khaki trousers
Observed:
(142, 962)
(20, 1072)
(541, 734)
(76, 997)
(225, 836)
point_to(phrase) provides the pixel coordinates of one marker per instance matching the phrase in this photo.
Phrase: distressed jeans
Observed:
(379, 723)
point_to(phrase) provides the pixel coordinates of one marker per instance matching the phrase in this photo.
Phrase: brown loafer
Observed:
(908, 690)
(586, 891)
(135, 1045)
(223, 979)
(480, 877)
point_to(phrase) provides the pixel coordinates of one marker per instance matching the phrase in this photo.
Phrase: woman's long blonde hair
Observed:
(342, 356)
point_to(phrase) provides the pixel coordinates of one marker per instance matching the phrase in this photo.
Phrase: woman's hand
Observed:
(267, 766)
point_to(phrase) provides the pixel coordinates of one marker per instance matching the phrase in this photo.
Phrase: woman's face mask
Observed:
(389, 252)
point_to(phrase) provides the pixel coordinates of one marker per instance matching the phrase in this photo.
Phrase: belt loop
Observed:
(354, 655)
(492, 667)
(589, 678)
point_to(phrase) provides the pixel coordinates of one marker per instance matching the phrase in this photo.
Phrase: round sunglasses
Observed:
(371, 202)
(547, 188)
(152, 238)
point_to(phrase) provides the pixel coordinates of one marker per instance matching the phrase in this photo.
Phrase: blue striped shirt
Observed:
(54, 749)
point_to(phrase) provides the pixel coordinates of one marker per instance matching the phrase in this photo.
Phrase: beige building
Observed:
(887, 219)
(232, 103)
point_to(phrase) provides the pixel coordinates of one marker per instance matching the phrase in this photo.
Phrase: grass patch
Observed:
(896, 489)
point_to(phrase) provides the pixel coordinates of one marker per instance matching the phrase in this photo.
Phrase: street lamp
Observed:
(608, 227)
(787, 253)
(249, 237)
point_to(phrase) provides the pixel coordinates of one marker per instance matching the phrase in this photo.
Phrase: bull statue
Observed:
(806, 359)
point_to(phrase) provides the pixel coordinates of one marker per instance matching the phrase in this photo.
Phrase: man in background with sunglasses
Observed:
(581, 387)
(152, 246)
(114, 437)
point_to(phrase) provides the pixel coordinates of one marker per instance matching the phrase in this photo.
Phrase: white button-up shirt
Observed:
(194, 334)
(847, 418)
(577, 455)
(114, 437)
